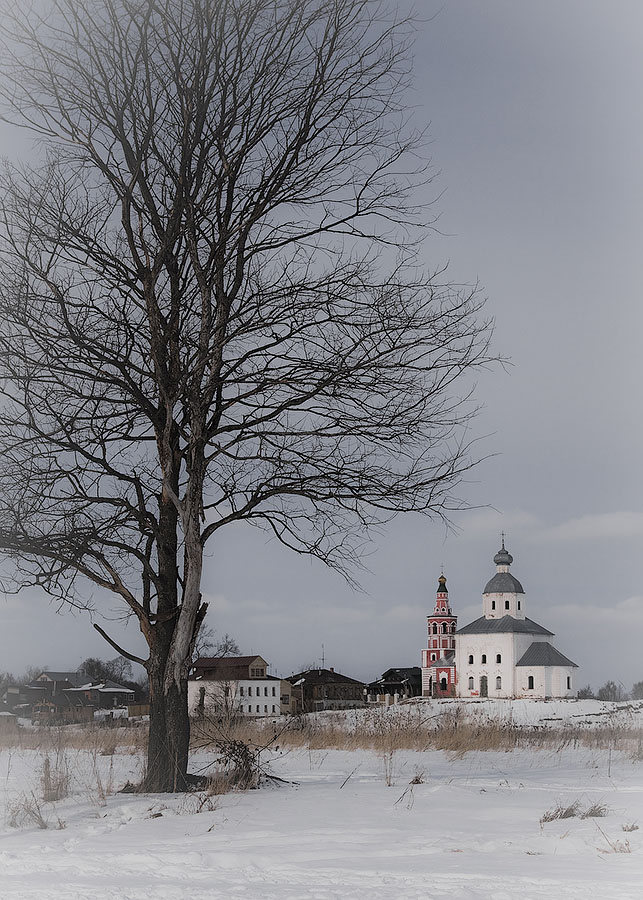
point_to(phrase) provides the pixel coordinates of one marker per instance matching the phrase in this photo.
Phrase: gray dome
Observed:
(503, 557)
(503, 583)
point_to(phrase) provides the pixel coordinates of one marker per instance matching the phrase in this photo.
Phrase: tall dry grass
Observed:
(385, 733)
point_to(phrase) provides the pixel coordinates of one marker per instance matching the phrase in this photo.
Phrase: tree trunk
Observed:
(169, 737)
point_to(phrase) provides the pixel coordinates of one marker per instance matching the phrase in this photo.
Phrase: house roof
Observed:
(227, 667)
(322, 676)
(103, 687)
(503, 625)
(72, 677)
(541, 653)
(444, 662)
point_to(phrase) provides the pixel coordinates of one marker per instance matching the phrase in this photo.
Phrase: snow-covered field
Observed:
(353, 826)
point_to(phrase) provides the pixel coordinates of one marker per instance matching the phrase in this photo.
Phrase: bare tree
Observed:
(214, 305)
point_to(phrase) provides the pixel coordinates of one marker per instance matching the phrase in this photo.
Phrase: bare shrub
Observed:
(55, 780)
(27, 811)
(595, 811)
(561, 812)
(631, 827)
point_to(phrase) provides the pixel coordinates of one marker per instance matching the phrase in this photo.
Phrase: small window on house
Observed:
(530, 683)
(257, 707)
(471, 658)
(273, 708)
(569, 683)
(265, 709)
(265, 692)
(493, 604)
(484, 658)
(241, 691)
(471, 684)
(506, 604)
(250, 692)
(285, 699)
(498, 658)
(273, 693)
(498, 683)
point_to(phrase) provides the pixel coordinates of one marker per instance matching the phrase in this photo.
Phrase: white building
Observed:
(240, 685)
(505, 654)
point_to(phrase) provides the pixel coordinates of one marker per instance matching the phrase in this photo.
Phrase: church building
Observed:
(501, 654)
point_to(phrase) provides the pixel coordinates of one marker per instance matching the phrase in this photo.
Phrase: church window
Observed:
(484, 658)
(435, 628)
(470, 658)
(493, 604)
(471, 684)
(498, 683)
(453, 628)
(569, 683)
(443, 684)
(444, 628)
(433, 657)
(519, 604)
(506, 604)
(498, 658)
(530, 683)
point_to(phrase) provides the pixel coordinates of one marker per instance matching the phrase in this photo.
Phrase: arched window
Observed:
(484, 658)
(443, 684)
(453, 628)
(444, 628)
(432, 657)
(435, 628)
(530, 683)
(506, 604)
(498, 683)
(470, 657)
(471, 684)
(498, 658)
(493, 604)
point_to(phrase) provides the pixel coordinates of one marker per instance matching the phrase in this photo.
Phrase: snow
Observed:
(469, 828)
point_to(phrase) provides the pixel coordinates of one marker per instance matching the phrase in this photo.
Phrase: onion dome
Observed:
(442, 585)
(503, 557)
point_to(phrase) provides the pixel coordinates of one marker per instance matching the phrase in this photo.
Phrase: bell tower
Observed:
(441, 627)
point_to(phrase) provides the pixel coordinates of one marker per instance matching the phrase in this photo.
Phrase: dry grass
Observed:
(100, 739)
(386, 733)
(561, 812)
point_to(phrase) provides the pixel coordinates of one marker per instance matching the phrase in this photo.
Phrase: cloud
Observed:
(482, 522)
(597, 526)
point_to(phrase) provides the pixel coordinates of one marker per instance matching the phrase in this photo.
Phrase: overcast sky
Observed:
(537, 135)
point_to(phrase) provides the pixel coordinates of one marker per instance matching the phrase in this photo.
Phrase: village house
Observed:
(328, 689)
(238, 685)
(395, 685)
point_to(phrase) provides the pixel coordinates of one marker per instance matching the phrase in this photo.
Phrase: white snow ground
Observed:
(470, 830)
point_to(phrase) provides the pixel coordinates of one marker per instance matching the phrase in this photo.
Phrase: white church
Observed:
(503, 653)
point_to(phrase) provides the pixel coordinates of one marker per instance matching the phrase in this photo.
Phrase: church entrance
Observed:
(484, 690)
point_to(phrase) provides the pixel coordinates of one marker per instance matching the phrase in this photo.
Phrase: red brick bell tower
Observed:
(438, 660)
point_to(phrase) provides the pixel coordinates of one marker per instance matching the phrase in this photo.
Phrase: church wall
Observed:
(490, 645)
(500, 610)
(549, 681)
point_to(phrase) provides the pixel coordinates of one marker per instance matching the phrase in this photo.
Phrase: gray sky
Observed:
(534, 112)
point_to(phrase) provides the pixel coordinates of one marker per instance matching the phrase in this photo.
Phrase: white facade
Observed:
(247, 697)
(504, 654)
